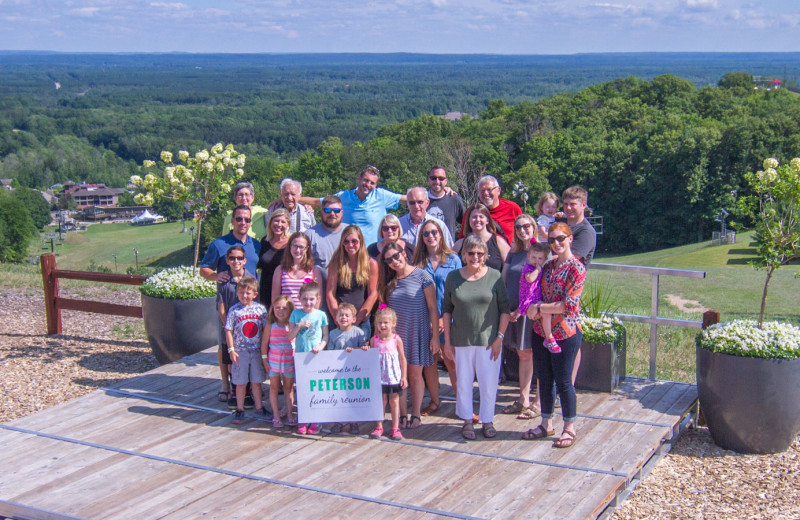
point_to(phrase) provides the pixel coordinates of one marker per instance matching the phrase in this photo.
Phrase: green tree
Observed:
(17, 229)
(38, 208)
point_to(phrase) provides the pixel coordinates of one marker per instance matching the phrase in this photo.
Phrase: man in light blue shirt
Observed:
(418, 214)
(366, 204)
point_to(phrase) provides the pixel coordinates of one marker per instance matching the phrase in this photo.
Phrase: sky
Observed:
(423, 26)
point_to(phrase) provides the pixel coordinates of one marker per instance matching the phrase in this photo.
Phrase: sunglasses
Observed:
(243, 219)
(331, 210)
(236, 258)
(522, 226)
(432, 232)
(394, 258)
(476, 254)
(353, 241)
(390, 228)
(435, 178)
(558, 239)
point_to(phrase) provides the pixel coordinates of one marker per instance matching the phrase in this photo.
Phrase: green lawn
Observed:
(157, 244)
(731, 286)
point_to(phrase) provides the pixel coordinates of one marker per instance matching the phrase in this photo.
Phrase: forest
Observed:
(661, 141)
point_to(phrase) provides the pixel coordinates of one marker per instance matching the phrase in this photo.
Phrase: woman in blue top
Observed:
(433, 255)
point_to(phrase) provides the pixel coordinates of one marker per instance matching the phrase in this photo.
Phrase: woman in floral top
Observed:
(562, 283)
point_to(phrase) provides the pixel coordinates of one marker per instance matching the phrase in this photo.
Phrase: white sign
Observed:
(337, 386)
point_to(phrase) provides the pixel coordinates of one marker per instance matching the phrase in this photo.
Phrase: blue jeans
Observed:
(554, 372)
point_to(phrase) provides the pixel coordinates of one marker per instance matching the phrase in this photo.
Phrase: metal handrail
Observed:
(654, 320)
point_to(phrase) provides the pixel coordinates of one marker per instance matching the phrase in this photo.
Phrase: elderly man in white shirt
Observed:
(418, 203)
(301, 217)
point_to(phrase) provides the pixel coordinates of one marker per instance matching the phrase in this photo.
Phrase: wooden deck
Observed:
(161, 446)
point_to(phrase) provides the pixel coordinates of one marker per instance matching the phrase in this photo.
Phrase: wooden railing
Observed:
(54, 303)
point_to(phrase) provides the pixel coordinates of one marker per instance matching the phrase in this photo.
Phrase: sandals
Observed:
(488, 430)
(565, 442)
(403, 422)
(414, 422)
(515, 407)
(336, 428)
(354, 429)
(291, 420)
(428, 410)
(277, 423)
(530, 412)
(468, 432)
(223, 396)
(537, 433)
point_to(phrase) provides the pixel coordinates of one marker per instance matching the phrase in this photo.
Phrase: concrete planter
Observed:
(751, 405)
(177, 328)
(602, 365)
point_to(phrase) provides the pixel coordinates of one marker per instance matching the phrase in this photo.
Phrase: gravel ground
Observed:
(695, 480)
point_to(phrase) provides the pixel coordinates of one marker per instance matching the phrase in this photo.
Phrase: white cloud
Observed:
(702, 4)
(85, 11)
(439, 3)
(172, 6)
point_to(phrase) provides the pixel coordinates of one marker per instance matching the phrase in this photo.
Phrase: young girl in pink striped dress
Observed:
(297, 268)
(277, 353)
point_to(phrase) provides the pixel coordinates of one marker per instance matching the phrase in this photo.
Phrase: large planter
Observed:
(177, 328)
(751, 405)
(602, 365)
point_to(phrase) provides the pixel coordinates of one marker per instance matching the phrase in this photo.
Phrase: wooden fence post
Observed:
(710, 317)
(50, 283)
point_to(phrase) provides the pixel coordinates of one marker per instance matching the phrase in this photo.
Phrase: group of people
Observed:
(442, 283)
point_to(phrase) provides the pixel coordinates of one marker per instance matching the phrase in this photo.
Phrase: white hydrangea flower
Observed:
(148, 164)
(166, 156)
(202, 155)
(217, 148)
(770, 163)
(135, 179)
(183, 155)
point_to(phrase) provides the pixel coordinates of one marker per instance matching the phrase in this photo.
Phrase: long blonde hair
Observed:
(421, 252)
(518, 245)
(341, 263)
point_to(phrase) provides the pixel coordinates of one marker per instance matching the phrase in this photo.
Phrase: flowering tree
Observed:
(201, 182)
(775, 207)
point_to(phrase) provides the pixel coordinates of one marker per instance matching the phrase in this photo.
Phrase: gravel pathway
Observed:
(695, 480)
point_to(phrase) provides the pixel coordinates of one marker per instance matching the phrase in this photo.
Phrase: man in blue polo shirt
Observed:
(366, 204)
(214, 267)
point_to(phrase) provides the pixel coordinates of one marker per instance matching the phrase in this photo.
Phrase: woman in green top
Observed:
(475, 314)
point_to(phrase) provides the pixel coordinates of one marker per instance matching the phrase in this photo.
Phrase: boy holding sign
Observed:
(308, 326)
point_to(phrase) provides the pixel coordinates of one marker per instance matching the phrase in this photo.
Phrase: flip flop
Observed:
(537, 433)
(428, 410)
(530, 412)
(567, 442)
(515, 407)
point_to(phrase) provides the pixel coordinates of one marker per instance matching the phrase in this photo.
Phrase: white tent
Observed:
(146, 218)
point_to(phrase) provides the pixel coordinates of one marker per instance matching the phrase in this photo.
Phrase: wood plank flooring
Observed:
(161, 446)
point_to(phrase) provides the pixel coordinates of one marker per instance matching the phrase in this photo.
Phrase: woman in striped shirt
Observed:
(296, 269)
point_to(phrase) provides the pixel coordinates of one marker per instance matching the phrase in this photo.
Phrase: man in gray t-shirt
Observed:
(584, 237)
(326, 235)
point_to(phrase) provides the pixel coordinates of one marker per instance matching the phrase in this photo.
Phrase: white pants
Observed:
(469, 362)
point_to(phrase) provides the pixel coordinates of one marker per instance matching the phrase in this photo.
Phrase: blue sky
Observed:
(429, 26)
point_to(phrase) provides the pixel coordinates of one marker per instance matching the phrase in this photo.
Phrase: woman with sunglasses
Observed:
(438, 260)
(562, 283)
(273, 245)
(475, 318)
(411, 293)
(390, 231)
(519, 333)
(353, 278)
(480, 222)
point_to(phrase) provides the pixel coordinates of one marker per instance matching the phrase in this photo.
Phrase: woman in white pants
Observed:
(475, 315)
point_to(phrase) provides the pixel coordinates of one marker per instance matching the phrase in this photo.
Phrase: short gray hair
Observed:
(241, 185)
(488, 178)
(287, 181)
(472, 242)
(412, 188)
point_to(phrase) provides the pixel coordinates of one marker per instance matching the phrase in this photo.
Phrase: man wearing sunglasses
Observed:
(584, 237)
(325, 236)
(244, 195)
(418, 202)
(214, 267)
(451, 204)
